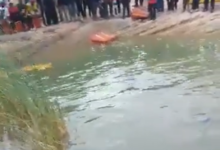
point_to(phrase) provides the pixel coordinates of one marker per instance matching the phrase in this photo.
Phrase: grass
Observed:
(26, 114)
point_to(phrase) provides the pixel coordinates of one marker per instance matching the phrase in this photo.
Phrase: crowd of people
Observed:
(55, 11)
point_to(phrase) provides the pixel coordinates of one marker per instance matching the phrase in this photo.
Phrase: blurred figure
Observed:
(4, 13)
(109, 8)
(140, 2)
(72, 9)
(31, 12)
(87, 6)
(50, 12)
(170, 4)
(4, 16)
(14, 15)
(21, 6)
(206, 5)
(22, 13)
(185, 5)
(95, 4)
(175, 4)
(103, 9)
(195, 4)
(126, 8)
(63, 9)
(118, 4)
(80, 8)
(42, 12)
(152, 9)
(160, 5)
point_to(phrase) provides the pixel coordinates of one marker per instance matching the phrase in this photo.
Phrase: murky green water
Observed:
(139, 94)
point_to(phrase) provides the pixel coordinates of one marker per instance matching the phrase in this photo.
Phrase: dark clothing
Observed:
(140, 2)
(21, 7)
(42, 12)
(95, 6)
(152, 11)
(126, 8)
(206, 4)
(110, 7)
(51, 16)
(103, 10)
(29, 22)
(175, 4)
(160, 5)
(87, 5)
(80, 8)
(170, 4)
(195, 4)
(63, 2)
(118, 3)
(50, 12)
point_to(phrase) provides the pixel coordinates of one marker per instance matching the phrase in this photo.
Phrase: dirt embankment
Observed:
(167, 24)
(32, 41)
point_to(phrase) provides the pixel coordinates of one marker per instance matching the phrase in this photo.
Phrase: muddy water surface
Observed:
(148, 93)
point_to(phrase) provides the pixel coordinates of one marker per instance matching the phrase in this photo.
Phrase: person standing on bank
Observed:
(94, 6)
(175, 4)
(152, 9)
(206, 5)
(170, 4)
(40, 4)
(87, 6)
(195, 4)
(63, 10)
(50, 12)
(140, 2)
(118, 3)
(103, 9)
(185, 5)
(110, 7)
(126, 8)
(160, 5)
(79, 6)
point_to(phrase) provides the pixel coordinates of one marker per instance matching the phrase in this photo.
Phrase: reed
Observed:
(27, 116)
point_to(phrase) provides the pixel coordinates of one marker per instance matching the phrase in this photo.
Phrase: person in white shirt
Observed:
(4, 13)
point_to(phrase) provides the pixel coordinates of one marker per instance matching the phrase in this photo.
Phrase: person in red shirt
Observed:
(152, 9)
(14, 15)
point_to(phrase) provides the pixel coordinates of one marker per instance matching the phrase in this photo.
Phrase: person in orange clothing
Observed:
(152, 9)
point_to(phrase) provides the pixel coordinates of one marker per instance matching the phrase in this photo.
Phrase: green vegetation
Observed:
(26, 114)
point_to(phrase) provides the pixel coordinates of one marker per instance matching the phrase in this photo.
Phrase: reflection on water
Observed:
(142, 94)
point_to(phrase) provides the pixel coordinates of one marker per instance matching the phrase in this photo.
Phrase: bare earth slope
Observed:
(167, 24)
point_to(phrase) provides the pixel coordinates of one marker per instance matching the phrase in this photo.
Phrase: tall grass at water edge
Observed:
(26, 114)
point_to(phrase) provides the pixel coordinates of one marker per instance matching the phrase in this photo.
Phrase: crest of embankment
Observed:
(167, 24)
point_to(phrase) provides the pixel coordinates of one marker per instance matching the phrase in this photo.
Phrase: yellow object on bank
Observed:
(38, 67)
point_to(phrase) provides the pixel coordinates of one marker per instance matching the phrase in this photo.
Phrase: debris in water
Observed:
(93, 119)
(164, 106)
(202, 117)
(37, 67)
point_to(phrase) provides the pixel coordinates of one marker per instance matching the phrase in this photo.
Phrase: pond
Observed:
(141, 93)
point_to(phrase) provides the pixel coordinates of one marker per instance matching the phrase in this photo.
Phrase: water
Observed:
(138, 94)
